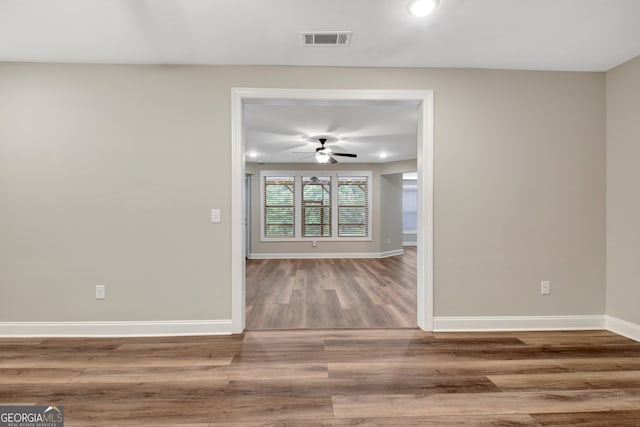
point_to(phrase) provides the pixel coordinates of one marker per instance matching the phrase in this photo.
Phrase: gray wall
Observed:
(108, 174)
(623, 197)
(409, 238)
(391, 212)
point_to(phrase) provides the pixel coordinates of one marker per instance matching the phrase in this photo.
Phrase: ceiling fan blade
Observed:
(302, 152)
(345, 154)
(332, 160)
(306, 157)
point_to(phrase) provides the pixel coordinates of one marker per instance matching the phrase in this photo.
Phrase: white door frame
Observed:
(425, 186)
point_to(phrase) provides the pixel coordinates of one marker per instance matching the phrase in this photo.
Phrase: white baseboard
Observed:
(115, 329)
(409, 243)
(224, 327)
(325, 255)
(391, 253)
(624, 328)
(517, 323)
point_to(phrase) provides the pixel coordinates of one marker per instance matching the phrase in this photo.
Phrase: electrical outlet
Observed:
(388, 240)
(100, 292)
(545, 287)
(314, 243)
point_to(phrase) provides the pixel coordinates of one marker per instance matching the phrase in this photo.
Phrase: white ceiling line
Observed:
(567, 35)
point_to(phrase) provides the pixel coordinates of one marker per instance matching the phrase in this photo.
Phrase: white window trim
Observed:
(297, 200)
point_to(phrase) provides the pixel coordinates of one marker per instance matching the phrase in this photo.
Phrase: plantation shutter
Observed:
(316, 206)
(353, 206)
(279, 207)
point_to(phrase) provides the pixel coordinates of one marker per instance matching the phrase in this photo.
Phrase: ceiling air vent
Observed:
(327, 38)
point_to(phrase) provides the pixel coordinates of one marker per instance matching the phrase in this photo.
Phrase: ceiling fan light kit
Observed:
(322, 157)
(325, 154)
(422, 8)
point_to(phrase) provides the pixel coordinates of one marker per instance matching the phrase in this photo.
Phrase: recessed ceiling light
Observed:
(383, 155)
(422, 8)
(253, 154)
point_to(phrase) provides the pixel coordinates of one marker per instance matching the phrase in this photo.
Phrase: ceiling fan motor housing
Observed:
(322, 141)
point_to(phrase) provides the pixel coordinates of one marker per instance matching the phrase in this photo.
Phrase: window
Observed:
(353, 206)
(315, 205)
(279, 207)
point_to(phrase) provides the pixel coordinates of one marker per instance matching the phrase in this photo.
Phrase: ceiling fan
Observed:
(326, 155)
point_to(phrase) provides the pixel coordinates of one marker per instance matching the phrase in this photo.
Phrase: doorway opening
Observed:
(424, 236)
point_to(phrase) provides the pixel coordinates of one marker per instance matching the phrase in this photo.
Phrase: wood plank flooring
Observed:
(384, 377)
(332, 293)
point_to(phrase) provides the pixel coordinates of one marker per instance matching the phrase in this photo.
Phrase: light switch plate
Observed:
(215, 215)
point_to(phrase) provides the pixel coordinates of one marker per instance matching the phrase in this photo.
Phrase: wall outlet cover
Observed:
(545, 287)
(100, 292)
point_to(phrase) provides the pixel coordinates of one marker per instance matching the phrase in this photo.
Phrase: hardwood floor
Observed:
(332, 293)
(389, 377)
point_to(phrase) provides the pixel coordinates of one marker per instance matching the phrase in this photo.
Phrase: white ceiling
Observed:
(288, 131)
(580, 35)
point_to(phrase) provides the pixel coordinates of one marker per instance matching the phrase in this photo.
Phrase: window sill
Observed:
(315, 239)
